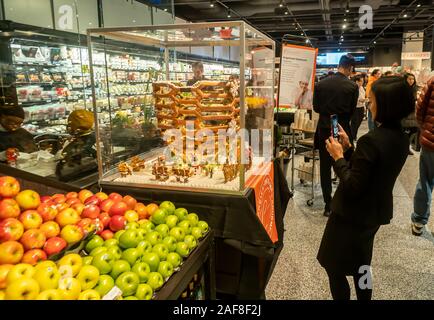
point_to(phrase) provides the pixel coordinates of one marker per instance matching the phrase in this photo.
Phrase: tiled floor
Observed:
(403, 265)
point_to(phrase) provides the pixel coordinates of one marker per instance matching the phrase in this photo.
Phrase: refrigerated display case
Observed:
(179, 143)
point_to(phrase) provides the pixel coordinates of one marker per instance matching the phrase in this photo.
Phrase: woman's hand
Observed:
(334, 148)
(343, 138)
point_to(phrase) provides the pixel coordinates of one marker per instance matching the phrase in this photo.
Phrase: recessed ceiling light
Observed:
(211, 4)
(418, 5)
(405, 15)
(344, 26)
(165, 9)
(307, 41)
(286, 12)
(375, 42)
(345, 19)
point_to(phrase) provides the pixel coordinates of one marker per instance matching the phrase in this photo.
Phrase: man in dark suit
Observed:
(197, 74)
(338, 95)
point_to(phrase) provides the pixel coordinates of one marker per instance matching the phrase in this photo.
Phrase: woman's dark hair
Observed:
(374, 72)
(394, 99)
(414, 86)
(358, 78)
(15, 111)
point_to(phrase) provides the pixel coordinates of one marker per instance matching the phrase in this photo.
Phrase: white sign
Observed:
(416, 55)
(66, 21)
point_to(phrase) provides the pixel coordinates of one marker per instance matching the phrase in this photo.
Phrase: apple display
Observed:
(153, 237)
(30, 219)
(89, 294)
(50, 294)
(45, 199)
(144, 246)
(10, 229)
(87, 260)
(181, 213)
(54, 245)
(4, 270)
(45, 264)
(104, 262)
(99, 227)
(118, 208)
(155, 280)
(72, 201)
(94, 242)
(131, 255)
(203, 226)
(48, 278)
(144, 292)
(111, 242)
(90, 211)
(142, 269)
(151, 208)
(152, 259)
(130, 202)
(105, 219)
(119, 267)
(116, 197)
(170, 243)
(22, 289)
(161, 250)
(174, 258)
(87, 225)
(141, 210)
(50, 229)
(128, 283)
(71, 233)
(9, 208)
(117, 223)
(182, 249)
(190, 241)
(72, 195)
(34, 256)
(18, 271)
(168, 206)
(79, 207)
(9, 187)
(84, 194)
(172, 221)
(159, 216)
(185, 224)
(106, 205)
(107, 234)
(163, 230)
(132, 225)
(70, 288)
(196, 232)
(58, 198)
(165, 269)
(88, 277)
(102, 196)
(118, 234)
(193, 218)
(142, 234)
(131, 298)
(104, 285)
(131, 216)
(11, 252)
(33, 239)
(93, 200)
(28, 199)
(72, 261)
(67, 216)
(178, 233)
(129, 239)
(47, 211)
(97, 250)
(147, 225)
(115, 251)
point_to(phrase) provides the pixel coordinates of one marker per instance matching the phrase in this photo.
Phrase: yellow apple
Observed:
(19, 271)
(45, 264)
(89, 294)
(2, 295)
(70, 265)
(48, 278)
(69, 288)
(22, 289)
(50, 294)
(131, 216)
(4, 270)
(88, 277)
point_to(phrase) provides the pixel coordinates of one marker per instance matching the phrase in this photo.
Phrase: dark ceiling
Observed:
(320, 21)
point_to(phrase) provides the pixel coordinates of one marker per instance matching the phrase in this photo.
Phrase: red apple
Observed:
(130, 201)
(116, 197)
(58, 198)
(106, 205)
(99, 226)
(79, 207)
(33, 239)
(117, 223)
(141, 209)
(45, 199)
(54, 245)
(84, 194)
(105, 219)
(28, 199)
(50, 229)
(30, 219)
(62, 206)
(71, 201)
(10, 229)
(90, 211)
(107, 234)
(9, 187)
(9, 209)
(11, 252)
(118, 209)
(71, 195)
(93, 200)
(102, 196)
(47, 211)
(87, 225)
(67, 216)
(34, 256)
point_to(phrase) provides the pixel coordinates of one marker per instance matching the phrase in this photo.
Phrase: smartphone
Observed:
(334, 126)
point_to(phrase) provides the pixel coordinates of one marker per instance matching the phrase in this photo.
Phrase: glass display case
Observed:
(209, 130)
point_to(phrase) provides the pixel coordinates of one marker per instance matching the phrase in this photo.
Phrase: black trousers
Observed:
(325, 167)
(356, 120)
(340, 287)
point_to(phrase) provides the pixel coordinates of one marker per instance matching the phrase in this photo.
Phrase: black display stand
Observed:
(245, 255)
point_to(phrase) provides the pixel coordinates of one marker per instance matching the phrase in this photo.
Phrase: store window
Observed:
(120, 13)
(75, 15)
(35, 13)
(162, 17)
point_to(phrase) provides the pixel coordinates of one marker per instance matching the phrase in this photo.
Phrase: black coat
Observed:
(363, 200)
(20, 139)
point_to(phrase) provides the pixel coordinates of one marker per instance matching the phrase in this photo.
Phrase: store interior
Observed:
(129, 100)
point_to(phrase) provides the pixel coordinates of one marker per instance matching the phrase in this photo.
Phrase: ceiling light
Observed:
(281, 4)
(211, 4)
(418, 5)
(348, 10)
(301, 34)
(345, 19)
(405, 15)
(307, 40)
(344, 26)
(165, 9)
(375, 42)
(286, 12)
(229, 13)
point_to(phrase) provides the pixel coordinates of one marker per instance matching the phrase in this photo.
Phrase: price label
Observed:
(113, 294)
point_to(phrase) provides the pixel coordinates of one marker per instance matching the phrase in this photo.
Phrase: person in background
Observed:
(12, 135)
(410, 122)
(425, 185)
(358, 115)
(375, 75)
(333, 95)
(197, 73)
(388, 73)
(363, 200)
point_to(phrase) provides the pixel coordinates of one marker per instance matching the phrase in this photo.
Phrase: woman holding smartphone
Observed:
(363, 200)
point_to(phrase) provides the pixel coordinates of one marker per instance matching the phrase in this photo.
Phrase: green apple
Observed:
(182, 249)
(131, 298)
(111, 242)
(104, 285)
(119, 267)
(88, 277)
(162, 251)
(204, 226)
(144, 292)
(142, 233)
(97, 251)
(153, 237)
(144, 246)
(186, 225)
(172, 221)
(191, 241)
(129, 239)
(181, 213)
(174, 258)
(162, 229)
(128, 283)
(152, 259)
(131, 255)
(94, 242)
(115, 251)
(87, 260)
(132, 225)
(118, 234)
(168, 206)
(155, 280)
(170, 243)
(178, 233)
(165, 269)
(196, 232)
(147, 225)
(142, 269)
(104, 262)
(159, 216)
(193, 218)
